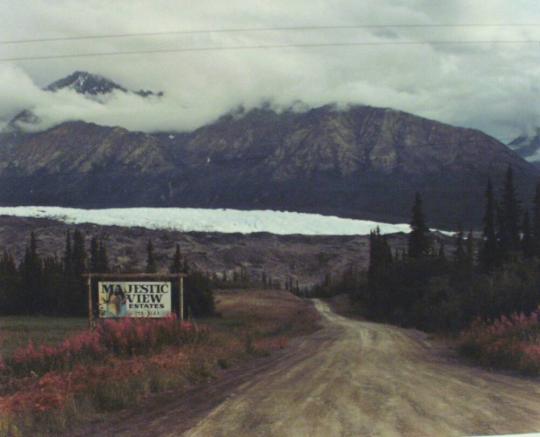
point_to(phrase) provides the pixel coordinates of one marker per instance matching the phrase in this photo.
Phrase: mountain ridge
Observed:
(356, 161)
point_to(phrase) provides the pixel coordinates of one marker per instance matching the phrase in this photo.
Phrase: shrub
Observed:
(508, 342)
(128, 337)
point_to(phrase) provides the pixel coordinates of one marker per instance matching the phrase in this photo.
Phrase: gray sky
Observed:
(495, 88)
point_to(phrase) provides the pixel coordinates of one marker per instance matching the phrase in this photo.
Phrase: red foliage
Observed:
(123, 337)
(508, 342)
(54, 389)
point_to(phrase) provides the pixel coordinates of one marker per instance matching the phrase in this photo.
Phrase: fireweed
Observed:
(52, 388)
(126, 337)
(509, 342)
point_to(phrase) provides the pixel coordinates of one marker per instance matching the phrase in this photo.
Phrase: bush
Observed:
(508, 342)
(199, 299)
(126, 337)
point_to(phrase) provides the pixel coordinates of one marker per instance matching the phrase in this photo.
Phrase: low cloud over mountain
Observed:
(488, 86)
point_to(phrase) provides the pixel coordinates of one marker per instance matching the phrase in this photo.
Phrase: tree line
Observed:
(51, 285)
(433, 288)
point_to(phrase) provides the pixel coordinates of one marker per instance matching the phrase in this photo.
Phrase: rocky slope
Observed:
(360, 162)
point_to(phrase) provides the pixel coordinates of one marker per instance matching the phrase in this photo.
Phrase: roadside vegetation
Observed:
(45, 389)
(507, 343)
(486, 286)
(55, 373)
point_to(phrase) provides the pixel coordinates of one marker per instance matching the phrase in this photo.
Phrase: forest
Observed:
(482, 275)
(52, 285)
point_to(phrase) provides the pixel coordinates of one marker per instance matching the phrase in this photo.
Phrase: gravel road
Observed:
(356, 378)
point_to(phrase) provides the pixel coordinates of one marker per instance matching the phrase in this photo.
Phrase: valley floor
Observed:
(350, 378)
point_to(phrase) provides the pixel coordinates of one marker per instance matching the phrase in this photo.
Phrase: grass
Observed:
(249, 324)
(17, 331)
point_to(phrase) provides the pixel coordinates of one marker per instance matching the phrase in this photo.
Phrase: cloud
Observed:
(489, 87)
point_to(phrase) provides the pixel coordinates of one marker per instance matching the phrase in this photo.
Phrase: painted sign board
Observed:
(134, 299)
(136, 295)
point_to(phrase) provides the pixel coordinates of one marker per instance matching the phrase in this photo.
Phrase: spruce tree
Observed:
(509, 216)
(68, 256)
(176, 264)
(79, 254)
(380, 258)
(459, 251)
(526, 240)
(469, 251)
(535, 231)
(488, 250)
(31, 275)
(419, 244)
(94, 255)
(379, 272)
(103, 259)
(10, 287)
(151, 266)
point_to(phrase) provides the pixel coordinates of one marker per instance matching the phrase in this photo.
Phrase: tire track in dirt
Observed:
(366, 379)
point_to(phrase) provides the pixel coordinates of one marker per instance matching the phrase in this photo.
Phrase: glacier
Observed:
(209, 220)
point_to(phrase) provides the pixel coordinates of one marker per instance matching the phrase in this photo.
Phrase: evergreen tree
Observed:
(379, 269)
(469, 251)
(419, 244)
(103, 259)
(459, 252)
(509, 217)
(536, 222)
(10, 287)
(176, 264)
(79, 254)
(68, 256)
(7, 264)
(151, 266)
(94, 255)
(527, 246)
(31, 272)
(488, 251)
(53, 286)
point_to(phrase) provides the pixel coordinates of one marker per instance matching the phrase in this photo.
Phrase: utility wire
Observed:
(268, 46)
(263, 29)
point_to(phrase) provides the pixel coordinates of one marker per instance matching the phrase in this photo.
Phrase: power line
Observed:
(268, 46)
(262, 29)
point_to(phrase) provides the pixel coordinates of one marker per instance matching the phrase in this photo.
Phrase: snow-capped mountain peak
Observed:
(91, 85)
(86, 83)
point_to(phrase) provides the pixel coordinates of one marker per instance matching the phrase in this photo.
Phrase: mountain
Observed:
(527, 146)
(85, 83)
(92, 86)
(360, 162)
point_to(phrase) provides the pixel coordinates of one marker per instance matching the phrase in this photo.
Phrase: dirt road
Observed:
(356, 378)
(350, 378)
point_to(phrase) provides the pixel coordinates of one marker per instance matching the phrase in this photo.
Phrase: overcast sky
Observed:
(495, 88)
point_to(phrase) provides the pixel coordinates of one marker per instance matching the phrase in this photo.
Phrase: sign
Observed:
(134, 299)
